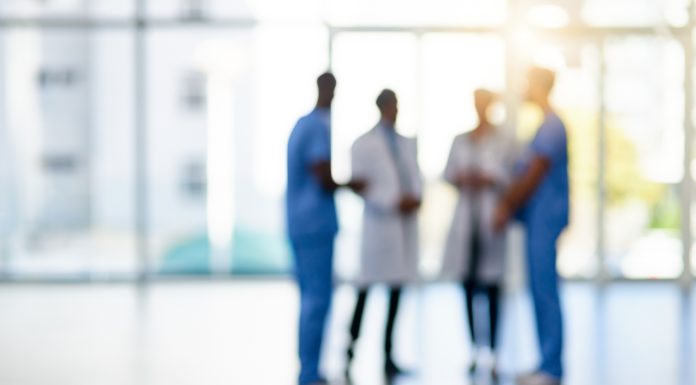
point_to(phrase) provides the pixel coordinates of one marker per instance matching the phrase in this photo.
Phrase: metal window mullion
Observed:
(687, 276)
(602, 275)
(330, 47)
(141, 183)
(687, 182)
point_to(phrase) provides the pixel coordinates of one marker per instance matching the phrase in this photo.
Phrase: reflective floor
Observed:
(244, 333)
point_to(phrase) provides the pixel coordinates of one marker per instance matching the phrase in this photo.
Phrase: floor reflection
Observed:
(244, 333)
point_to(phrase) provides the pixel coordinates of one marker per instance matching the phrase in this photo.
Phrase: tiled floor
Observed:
(244, 333)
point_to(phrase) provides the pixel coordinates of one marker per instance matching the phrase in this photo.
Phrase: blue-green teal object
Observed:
(253, 253)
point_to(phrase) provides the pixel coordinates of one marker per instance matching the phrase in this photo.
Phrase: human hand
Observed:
(501, 217)
(357, 186)
(409, 204)
(466, 179)
(483, 181)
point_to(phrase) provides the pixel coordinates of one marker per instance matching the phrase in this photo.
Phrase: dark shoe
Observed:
(392, 370)
(494, 375)
(472, 368)
(350, 354)
(347, 377)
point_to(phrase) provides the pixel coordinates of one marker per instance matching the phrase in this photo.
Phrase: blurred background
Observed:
(142, 173)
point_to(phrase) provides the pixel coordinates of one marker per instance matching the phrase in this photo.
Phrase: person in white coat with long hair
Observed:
(479, 167)
(386, 162)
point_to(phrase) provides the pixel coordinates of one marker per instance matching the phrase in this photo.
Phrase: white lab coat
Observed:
(494, 154)
(389, 249)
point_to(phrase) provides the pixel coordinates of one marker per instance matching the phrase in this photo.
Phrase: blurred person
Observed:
(387, 163)
(312, 224)
(539, 197)
(480, 167)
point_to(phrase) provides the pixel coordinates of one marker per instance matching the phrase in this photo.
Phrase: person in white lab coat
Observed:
(386, 163)
(479, 166)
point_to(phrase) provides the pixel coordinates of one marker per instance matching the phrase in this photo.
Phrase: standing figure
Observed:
(312, 224)
(479, 166)
(386, 162)
(539, 197)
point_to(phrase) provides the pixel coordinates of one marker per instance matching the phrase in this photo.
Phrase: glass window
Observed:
(636, 12)
(281, 10)
(112, 142)
(433, 13)
(197, 9)
(576, 96)
(288, 89)
(216, 154)
(108, 9)
(68, 124)
(220, 112)
(9, 194)
(23, 8)
(364, 64)
(644, 138)
(191, 108)
(693, 178)
(262, 10)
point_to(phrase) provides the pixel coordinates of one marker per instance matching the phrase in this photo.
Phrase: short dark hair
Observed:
(327, 79)
(543, 77)
(385, 97)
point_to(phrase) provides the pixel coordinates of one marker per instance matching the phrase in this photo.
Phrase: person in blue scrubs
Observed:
(539, 197)
(312, 223)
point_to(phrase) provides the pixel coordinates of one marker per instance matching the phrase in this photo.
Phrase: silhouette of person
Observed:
(387, 162)
(539, 197)
(312, 223)
(480, 167)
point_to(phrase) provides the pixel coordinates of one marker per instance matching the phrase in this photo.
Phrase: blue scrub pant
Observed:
(543, 281)
(314, 275)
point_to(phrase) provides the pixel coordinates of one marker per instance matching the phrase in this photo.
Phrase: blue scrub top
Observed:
(549, 204)
(311, 210)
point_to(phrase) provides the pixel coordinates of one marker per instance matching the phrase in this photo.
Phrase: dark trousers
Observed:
(356, 324)
(492, 294)
(473, 286)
